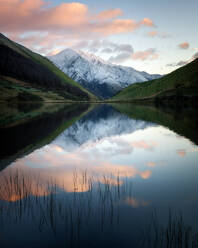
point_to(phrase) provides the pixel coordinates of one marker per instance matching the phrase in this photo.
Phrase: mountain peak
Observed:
(92, 57)
(100, 77)
(70, 52)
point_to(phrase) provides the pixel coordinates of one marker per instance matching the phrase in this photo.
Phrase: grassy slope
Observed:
(43, 61)
(11, 88)
(183, 80)
(181, 121)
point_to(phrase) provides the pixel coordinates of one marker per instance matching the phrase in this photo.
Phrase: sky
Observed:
(148, 35)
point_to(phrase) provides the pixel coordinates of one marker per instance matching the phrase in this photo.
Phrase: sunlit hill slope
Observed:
(28, 76)
(181, 84)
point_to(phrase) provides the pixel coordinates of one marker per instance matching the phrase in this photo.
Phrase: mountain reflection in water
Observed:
(108, 180)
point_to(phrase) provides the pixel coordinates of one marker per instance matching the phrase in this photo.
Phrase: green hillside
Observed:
(179, 84)
(25, 75)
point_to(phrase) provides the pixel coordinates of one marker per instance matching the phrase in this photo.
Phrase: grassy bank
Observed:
(180, 85)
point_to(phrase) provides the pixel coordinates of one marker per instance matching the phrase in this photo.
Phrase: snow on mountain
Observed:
(102, 122)
(100, 77)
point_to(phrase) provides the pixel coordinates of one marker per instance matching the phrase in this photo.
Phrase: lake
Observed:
(117, 175)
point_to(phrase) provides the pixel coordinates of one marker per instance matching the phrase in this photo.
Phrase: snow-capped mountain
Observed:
(100, 77)
(104, 121)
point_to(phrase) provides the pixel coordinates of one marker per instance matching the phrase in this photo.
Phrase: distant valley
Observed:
(96, 75)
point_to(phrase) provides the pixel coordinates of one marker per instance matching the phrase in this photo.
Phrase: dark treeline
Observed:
(15, 65)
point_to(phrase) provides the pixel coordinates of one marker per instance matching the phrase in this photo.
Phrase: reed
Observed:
(47, 206)
(174, 234)
(95, 203)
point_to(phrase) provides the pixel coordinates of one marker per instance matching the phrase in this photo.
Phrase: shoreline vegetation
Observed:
(168, 98)
(12, 113)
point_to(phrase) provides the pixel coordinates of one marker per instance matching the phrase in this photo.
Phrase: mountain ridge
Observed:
(102, 78)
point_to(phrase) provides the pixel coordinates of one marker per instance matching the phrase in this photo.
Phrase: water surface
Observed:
(112, 177)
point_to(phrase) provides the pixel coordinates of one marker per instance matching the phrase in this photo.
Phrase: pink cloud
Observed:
(194, 149)
(66, 20)
(153, 33)
(118, 26)
(145, 174)
(184, 45)
(147, 22)
(151, 164)
(54, 52)
(181, 152)
(36, 180)
(67, 15)
(58, 148)
(59, 166)
(135, 202)
(109, 14)
(37, 15)
(149, 54)
(143, 144)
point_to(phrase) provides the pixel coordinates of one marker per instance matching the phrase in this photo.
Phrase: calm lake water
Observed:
(101, 176)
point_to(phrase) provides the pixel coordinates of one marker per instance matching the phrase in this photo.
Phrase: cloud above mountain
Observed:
(118, 53)
(150, 54)
(184, 45)
(47, 27)
(183, 62)
(126, 52)
(158, 34)
(120, 58)
(67, 18)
